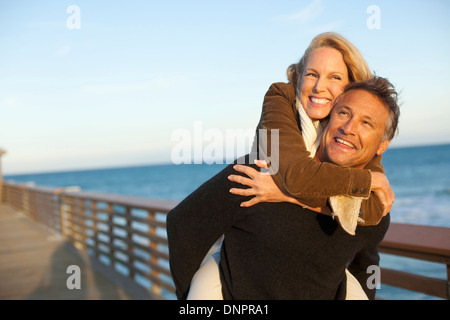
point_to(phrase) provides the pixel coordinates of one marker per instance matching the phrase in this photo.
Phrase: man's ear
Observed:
(383, 146)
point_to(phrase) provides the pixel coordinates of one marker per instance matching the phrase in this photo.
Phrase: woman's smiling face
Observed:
(323, 80)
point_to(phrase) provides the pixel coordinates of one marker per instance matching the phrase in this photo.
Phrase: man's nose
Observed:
(349, 127)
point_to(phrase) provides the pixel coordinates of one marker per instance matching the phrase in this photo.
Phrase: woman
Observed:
(328, 65)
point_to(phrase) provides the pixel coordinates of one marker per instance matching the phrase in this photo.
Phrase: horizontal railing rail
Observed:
(129, 234)
(428, 243)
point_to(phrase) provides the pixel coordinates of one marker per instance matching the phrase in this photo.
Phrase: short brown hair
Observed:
(385, 92)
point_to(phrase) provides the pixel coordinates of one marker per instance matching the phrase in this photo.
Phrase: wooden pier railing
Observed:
(426, 243)
(126, 233)
(129, 234)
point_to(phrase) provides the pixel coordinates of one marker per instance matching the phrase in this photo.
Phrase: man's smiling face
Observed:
(355, 130)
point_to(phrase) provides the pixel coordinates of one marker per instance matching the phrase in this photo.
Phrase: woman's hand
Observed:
(263, 188)
(382, 188)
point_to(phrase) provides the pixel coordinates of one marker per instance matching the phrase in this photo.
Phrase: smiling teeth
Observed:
(345, 143)
(319, 101)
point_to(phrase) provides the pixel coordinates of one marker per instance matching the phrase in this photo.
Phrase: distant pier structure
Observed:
(2, 152)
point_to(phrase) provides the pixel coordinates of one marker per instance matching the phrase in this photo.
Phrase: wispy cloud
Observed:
(63, 50)
(332, 26)
(9, 102)
(311, 18)
(140, 86)
(306, 15)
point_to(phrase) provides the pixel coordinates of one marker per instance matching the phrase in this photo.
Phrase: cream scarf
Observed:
(345, 208)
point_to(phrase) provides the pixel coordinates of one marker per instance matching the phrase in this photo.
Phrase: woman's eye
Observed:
(336, 78)
(311, 75)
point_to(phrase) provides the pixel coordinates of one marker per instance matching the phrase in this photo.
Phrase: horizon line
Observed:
(126, 166)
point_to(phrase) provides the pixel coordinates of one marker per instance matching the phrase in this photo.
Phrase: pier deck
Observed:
(33, 265)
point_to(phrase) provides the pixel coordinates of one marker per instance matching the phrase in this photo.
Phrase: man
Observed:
(281, 250)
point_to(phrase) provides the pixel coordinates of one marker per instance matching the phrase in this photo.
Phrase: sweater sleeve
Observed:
(372, 208)
(196, 223)
(352, 211)
(296, 173)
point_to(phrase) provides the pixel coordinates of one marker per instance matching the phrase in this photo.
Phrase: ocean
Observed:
(419, 176)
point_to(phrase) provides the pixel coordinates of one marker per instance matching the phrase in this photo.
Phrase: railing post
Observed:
(448, 281)
(57, 208)
(130, 242)
(110, 209)
(61, 214)
(2, 152)
(23, 200)
(95, 227)
(154, 259)
(82, 204)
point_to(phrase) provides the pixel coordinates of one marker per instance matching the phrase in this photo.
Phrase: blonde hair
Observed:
(357, 67)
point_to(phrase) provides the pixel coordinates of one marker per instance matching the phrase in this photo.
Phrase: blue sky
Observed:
(113, 92)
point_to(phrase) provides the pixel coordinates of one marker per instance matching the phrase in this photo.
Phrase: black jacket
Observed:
(271, 250)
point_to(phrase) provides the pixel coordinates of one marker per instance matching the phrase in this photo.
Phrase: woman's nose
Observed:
(320, 85)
